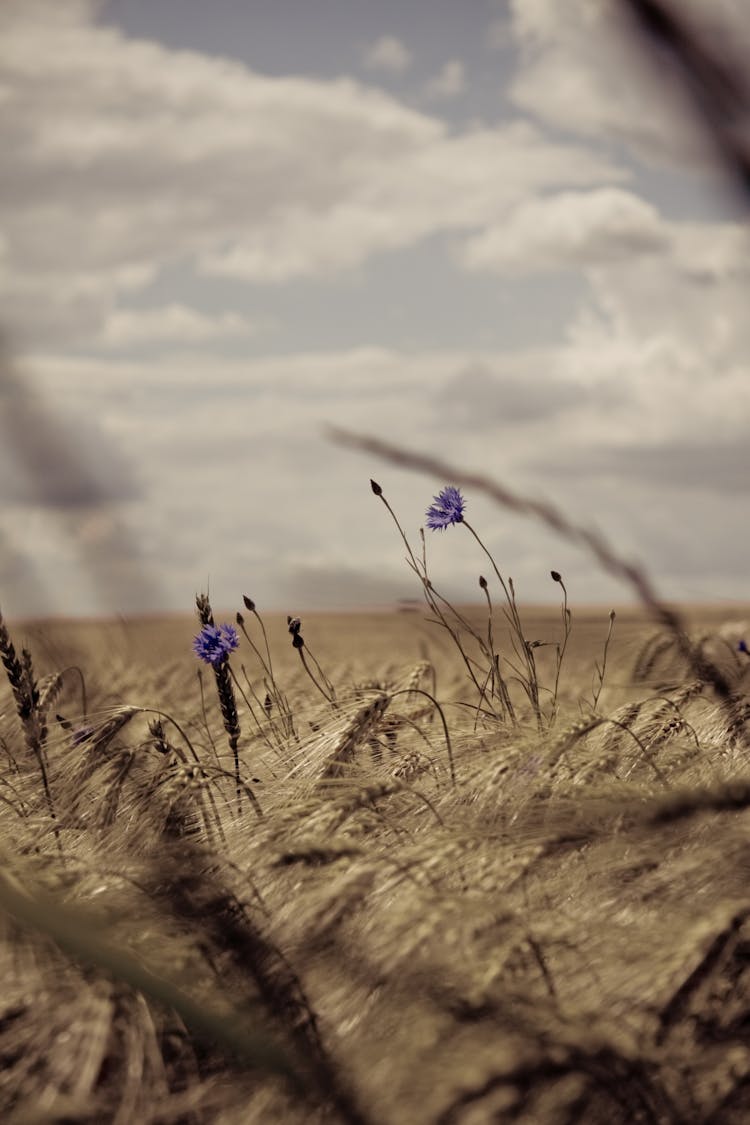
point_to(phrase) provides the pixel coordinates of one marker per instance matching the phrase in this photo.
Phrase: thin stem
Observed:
(510, 597)
(560, 652)
(265, 641)
(306, 666)
(432, 596)
(496, 673)
(597, 690)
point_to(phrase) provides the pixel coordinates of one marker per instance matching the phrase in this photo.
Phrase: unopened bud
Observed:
(249, 603)
(556, 576)
(376, 488)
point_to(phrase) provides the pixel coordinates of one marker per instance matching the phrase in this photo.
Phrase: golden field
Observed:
(422, 912)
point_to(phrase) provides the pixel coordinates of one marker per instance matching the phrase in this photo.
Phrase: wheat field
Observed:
(401, 906)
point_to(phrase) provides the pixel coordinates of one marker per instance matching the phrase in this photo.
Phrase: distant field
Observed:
(363, 889)
(365, 641)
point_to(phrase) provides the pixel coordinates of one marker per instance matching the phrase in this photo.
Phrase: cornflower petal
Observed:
(447, 508)
(215, 642)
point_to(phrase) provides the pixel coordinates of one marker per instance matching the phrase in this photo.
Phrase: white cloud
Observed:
(388, 53)
(630, 374)
(122, 156)
(452, 183)
(670, 331)
(449, 82)
(173, 322)
(567, 230)
(666, 297)
(711, 252)
(125, 155)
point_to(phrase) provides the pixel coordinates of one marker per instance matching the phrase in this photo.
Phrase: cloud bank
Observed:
(158, 202)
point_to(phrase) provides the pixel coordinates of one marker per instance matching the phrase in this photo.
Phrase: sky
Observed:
(475, 230)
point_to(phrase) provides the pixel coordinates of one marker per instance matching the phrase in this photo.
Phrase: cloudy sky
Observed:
(474, 229)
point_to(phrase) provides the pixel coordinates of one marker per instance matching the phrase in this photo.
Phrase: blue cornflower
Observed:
(215, 642)
(447, 508)
(742, 647)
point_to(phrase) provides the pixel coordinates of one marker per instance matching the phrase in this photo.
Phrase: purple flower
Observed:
(447, 508)
(215, 642)
(742, 647)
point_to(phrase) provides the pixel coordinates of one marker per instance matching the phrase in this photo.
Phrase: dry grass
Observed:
(560, 934)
